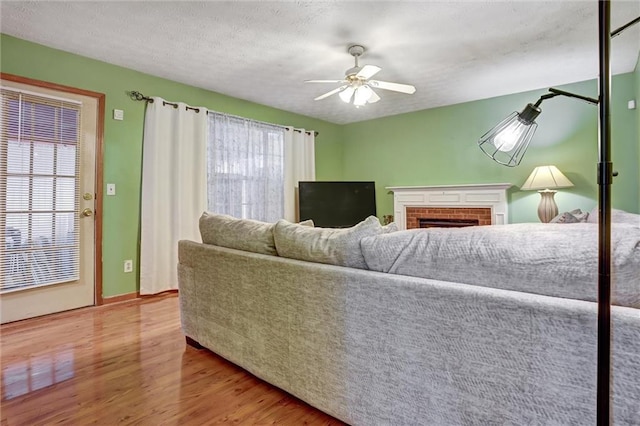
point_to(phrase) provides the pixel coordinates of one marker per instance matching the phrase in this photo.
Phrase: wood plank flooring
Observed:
(128, 363)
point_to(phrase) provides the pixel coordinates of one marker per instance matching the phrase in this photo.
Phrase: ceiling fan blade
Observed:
(326, 95)
(324, 81)
(368, 71)
(396, 87)
(373, 98)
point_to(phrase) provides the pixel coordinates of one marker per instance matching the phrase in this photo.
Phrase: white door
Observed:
(47, 191)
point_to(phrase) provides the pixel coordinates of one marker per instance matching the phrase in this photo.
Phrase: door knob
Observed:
(87, 212)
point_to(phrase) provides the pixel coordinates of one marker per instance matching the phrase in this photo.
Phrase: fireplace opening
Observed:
(433, 216)
(446, 223)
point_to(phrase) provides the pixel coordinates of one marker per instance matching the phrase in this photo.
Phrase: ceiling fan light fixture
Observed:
(362, 95)
(373, 98)
(346, 94)
(358, 86)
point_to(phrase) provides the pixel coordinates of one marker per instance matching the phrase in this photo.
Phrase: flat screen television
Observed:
(336, 204)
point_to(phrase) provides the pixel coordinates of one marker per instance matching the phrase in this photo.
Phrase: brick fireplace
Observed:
(450, 205)
(426, 217)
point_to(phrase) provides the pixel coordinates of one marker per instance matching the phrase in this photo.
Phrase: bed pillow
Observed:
(335, 246)
(241, 234)
(542, 258)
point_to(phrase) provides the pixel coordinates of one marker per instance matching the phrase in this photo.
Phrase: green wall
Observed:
(439, 146)
(123, 139)
(637, 99)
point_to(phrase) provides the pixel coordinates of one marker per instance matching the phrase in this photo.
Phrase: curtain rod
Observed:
(137, 96)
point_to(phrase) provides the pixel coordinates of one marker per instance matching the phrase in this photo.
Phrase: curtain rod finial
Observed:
(137, 96)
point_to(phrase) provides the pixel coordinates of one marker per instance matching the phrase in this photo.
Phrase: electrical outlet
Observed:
(128, 265)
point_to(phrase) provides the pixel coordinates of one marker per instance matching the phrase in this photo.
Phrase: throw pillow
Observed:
(325, 245)
(580, 215)
(565, 217)
(574, 216)
(239, 234)
(308, 222)
(390, 227)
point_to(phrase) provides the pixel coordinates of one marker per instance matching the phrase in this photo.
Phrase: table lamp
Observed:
(546, 179)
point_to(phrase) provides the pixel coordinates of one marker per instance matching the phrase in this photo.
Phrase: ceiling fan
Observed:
(357, 85)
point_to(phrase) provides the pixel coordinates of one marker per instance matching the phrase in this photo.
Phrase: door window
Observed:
(39, 186)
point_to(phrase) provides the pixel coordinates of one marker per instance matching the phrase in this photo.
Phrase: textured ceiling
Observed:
(451, 51)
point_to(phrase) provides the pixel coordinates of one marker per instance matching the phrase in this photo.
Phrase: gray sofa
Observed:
(394, 346)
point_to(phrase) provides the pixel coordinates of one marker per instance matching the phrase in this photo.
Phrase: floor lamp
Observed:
(506, 144)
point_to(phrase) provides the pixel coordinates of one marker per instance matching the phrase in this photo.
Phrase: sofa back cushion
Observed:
(617, 216)
(325, 245)
(542, 258)
(241, 234)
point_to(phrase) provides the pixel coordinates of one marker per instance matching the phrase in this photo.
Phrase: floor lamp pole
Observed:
(605, 178)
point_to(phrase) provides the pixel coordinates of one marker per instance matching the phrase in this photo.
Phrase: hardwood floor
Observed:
(128, 363)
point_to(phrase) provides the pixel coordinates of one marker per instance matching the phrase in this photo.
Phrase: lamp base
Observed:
(547, 209)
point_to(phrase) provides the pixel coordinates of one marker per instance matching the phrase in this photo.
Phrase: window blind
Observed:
(39, 202)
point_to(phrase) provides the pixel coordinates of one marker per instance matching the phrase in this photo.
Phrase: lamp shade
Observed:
(546, 177)
(362, 95)
(507, 142)
(346, 94)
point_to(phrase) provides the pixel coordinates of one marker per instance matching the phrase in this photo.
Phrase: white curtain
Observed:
(174, 189)
(300, 165)
(246, 168)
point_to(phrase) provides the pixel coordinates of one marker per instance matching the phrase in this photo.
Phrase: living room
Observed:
(434, 146)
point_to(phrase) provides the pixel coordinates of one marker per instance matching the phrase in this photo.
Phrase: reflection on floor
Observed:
(37, 372)
(128, 364)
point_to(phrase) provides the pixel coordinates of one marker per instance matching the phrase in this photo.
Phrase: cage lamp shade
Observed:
(507, 142)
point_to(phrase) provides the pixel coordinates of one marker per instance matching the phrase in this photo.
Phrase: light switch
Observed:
(111, 189)
(631, 104)
(118, 114)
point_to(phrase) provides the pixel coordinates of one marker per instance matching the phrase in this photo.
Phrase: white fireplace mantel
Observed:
(487, 195)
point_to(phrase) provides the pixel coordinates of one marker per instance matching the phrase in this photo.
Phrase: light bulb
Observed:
(508, 138)
(507, 141)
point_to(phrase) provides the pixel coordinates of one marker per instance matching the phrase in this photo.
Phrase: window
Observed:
(245, 168)
(38, 187)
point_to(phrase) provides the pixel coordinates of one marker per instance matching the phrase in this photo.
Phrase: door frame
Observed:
(100, 98)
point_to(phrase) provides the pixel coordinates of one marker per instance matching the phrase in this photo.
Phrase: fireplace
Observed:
(446, 223)
(449, 217)
(450, 205)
